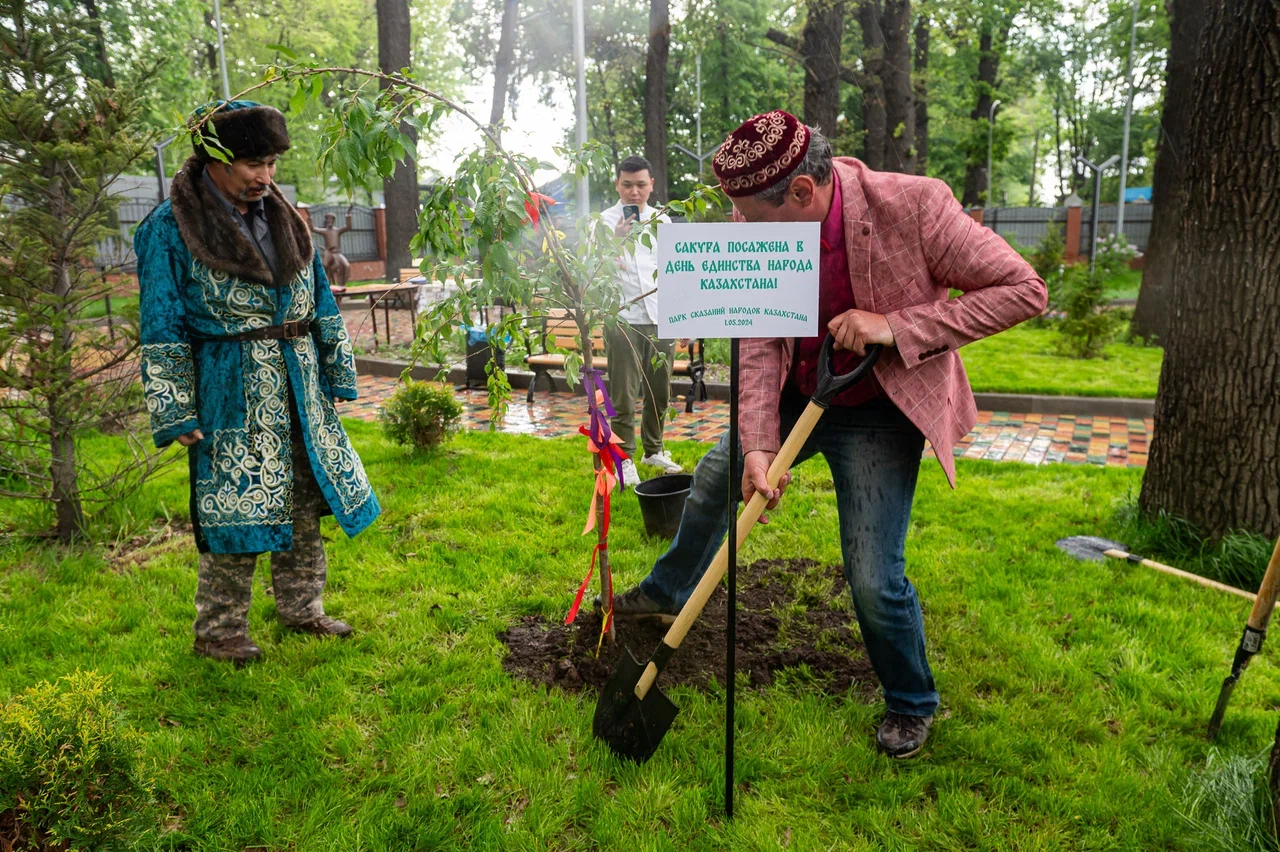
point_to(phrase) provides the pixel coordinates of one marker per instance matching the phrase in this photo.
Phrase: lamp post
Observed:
(579, 57)
(1097, 169)
(222, 53)
(1128, 111)
(991, 126)
(701, 156)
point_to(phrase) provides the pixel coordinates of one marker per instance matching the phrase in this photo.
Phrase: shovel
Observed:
(1094, 549)
(1255, 630)
(633, 716)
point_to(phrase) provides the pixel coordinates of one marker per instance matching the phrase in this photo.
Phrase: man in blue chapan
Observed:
(243, 354)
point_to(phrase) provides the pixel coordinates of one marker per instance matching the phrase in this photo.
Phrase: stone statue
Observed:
(336, 265)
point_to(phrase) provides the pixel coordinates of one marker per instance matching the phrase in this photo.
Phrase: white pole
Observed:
(697, 64)
(991, 126)
(1128, 111)
(579, 56)
(222, 53)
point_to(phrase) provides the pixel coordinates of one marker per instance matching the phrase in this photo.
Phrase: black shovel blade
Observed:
(632, 728)
(1220, 710)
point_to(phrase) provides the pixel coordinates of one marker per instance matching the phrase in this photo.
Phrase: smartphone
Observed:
(630, 211)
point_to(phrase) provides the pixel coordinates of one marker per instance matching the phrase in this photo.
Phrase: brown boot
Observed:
(321, 626)
(237, 649)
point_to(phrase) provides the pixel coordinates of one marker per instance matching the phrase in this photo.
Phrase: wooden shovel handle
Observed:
(746, 520)
(1186, 575)
(1267, 593)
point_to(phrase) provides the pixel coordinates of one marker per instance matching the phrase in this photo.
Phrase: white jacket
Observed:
(637, 273)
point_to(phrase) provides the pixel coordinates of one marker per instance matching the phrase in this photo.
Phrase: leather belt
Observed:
(285, 331)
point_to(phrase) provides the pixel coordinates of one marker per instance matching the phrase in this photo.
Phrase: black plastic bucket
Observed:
(662, 502)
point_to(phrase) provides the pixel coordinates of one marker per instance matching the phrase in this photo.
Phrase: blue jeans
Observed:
(874, 453)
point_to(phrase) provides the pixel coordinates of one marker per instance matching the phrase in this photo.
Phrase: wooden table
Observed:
(383, 293)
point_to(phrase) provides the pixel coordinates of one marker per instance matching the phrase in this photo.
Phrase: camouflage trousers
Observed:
(225, 587)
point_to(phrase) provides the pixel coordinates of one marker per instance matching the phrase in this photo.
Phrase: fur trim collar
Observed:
(215, 240)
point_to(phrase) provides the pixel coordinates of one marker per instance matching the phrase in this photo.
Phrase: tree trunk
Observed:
(401, 192)
(899, 93)
(103, 60)
(922, 94)
(1215, 457)
(975, 179)
(873, 107)
(65, 486)
(1151, 316)
(502, 62)
(655, 95)
(820, 51)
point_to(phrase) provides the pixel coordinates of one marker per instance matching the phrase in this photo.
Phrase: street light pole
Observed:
(1128, 111)
(580, 58)
(700, 155)
(1098, 169)
(991, 126)
(222, 53)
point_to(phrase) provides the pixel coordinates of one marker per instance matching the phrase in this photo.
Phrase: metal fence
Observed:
(1025, 226)
(361, 242)
(116, 251)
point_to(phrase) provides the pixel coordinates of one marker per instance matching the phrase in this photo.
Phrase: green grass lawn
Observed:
(1025, 360)
(1074, 694)
(98, 309)
(1125, 284)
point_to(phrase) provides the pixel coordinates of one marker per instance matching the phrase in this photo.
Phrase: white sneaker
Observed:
(630, 476)
(662, 460)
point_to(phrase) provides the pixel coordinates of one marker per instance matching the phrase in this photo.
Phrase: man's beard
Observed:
(244, 194)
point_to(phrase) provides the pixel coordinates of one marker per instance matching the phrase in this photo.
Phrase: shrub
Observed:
(1088, 325)
(69, 775)
(420, 415)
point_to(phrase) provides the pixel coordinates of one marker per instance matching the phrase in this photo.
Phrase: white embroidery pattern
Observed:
(329, 443)
(168, 380)
(339, 360)
(252, 467)
(237, 305)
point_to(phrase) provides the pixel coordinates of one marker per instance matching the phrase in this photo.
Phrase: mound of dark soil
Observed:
(785, 624)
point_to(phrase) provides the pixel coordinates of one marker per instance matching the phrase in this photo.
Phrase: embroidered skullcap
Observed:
(763, 151)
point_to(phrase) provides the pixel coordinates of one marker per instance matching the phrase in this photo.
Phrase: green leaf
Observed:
(280, 48)
(317, 86)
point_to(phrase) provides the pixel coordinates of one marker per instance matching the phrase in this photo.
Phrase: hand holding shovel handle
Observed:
(1251, 642)
(632, 716)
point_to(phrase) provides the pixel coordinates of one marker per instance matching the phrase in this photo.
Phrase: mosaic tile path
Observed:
(998, 436)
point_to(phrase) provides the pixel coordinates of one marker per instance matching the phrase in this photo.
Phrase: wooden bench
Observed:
(559, 327)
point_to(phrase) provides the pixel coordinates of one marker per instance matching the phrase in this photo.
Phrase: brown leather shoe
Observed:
(237, 649)
(322, 626)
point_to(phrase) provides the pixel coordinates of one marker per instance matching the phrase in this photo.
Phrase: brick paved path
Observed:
(998, 436)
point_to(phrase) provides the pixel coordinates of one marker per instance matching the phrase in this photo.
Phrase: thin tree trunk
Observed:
(820, 52)
(1151, 315)
(975, 179)
(502, 62)
(1057, 146)
(899, 93)
(874, 118)
(103, 59)
(655, 95)
(1215, 457)
(401, 191)
(922, 94)
(65, 491)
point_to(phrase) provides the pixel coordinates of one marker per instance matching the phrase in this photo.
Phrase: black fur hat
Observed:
(245, 128)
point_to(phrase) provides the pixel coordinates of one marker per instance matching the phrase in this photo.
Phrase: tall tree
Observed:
(502, 62)
(977, 183)
(818, 50)
(899, 92)
(920, 67)
(1215, 457)
(655, 95)
(875, 119)
(401, 191)
(1151, 316)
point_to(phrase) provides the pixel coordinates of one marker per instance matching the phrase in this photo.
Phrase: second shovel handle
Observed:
(1267, 593)
(746, 520)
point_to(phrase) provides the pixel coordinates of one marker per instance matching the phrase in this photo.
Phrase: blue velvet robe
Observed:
(238, 392)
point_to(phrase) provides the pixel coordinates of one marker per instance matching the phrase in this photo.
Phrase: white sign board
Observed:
(738, 279)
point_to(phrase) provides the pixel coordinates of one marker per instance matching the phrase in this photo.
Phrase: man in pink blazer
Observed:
(893, 246)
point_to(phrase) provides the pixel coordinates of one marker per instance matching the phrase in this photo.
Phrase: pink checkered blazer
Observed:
(909, 242)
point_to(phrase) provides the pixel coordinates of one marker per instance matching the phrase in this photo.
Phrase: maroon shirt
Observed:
(835, 296)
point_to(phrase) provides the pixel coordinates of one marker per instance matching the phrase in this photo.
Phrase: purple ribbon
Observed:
(601, 434)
